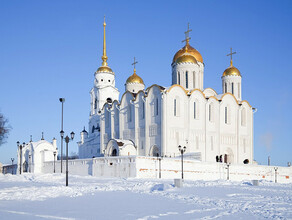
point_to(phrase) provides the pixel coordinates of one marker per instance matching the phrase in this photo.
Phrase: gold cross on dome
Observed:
(135, 62)
(187, 33)
(230, 54)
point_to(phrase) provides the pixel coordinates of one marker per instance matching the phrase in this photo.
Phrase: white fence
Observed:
(170, 168)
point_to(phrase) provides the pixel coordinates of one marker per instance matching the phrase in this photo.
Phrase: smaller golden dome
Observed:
(231, 71)
(186, 59)
(104, 69)
(135, 78)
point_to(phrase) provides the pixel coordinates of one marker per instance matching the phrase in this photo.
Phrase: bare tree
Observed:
(4, 129)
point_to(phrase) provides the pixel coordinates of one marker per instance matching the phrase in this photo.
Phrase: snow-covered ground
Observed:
(45, 196)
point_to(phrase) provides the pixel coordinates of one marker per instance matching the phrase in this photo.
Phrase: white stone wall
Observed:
(170, 168)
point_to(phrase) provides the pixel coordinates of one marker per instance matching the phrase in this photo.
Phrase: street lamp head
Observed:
(55, 153)
(185, 148)
(62, 100)
(17, 143)
(72, 135)
(62, 133)
(179, 147)
(23, 143)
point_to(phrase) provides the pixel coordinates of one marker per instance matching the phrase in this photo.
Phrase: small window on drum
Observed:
(109, 100)
(109, 80)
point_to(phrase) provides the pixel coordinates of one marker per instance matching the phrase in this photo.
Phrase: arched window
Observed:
(109, 100)
(93, 128)
(187, 79)
(232, 88)
(243, 117)
(107, 118)
(178, 78)
(225, 87)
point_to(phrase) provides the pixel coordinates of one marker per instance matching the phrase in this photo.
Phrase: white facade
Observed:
(31, 157)
(155, 121)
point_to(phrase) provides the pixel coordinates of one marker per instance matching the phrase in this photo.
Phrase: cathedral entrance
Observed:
(25, 167)
(114, 153)
(154, 151)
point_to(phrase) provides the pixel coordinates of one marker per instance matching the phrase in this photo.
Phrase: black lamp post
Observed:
(228, 165)
(29, 161)
(62, 100)
(67, 139)
(276, 168)
(182, 150)
(62, 137)
(20, 148)
(55, 161)
(12, 160)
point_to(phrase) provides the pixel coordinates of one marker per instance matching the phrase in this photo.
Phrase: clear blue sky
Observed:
(51, 49)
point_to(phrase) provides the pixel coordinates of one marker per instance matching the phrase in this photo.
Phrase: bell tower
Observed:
(104, 89)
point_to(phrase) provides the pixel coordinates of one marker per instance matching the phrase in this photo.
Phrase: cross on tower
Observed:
(135, 62)
(230, 54)
(187, 34)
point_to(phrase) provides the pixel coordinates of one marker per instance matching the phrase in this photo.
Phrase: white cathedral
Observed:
(156, 120)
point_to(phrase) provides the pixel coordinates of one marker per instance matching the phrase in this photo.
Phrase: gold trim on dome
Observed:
(104, 69)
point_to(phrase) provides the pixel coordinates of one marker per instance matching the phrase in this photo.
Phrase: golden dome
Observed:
(189, 50)
(106, 69)
(186, 58)
(135, 78)
(231, 71)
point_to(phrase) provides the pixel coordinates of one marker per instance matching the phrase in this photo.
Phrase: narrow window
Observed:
(225, 87)
(178, 78)
(129, 113)
(195, 110)
(187, 80)
(156, 110)
(232, 88)
(194, 80)
(226, 115)
(95, 103)
(174, 107)
(142, 147)
(143, 110)
(243, 117)
(210, 112)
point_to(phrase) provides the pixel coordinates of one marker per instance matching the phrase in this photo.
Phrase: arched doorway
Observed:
(114, 153)
(154, 151)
